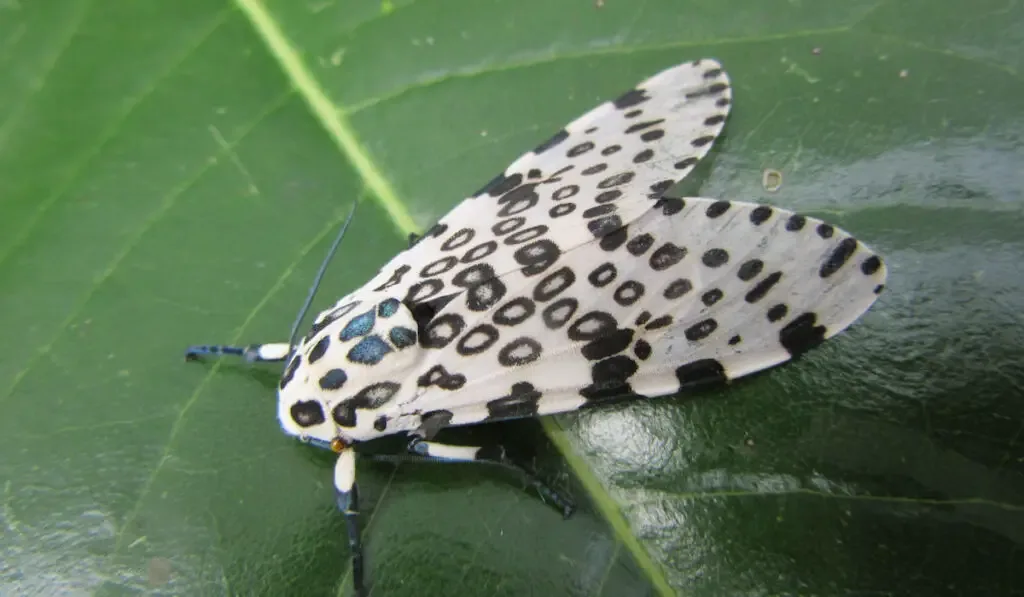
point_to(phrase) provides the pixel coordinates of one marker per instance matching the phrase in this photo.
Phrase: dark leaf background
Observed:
(172, 172)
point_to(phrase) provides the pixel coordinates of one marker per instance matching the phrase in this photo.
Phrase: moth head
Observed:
(353, 361)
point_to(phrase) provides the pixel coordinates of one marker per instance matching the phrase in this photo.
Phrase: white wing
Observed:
(570, 280)
(589, 180)
(711, 292)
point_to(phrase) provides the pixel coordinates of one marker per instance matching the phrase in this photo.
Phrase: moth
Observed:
(568, 281)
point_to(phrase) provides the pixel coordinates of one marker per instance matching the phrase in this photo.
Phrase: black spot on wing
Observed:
(537, 256)
(628, 293)
(459, 239)
(555, 139)
(580, 149)
(500, 185)
(777, 312)
(839, 257)
(663, 321)
(715, 257)
(685, 163)
(713, 89)
(760, 214)
(592, 326)
(700, 373)
(750, 270)
(440, 377)
(652, 135)
(515, 311)
(711, 297)
(609, 379)
(701, 330)
(601, 227)
(554, 284)
(608, 345)
(678, 288)
(518, 200)
(717, 208)
(602, 275)
(559, 312)
(519, 352)
(478, 340)
(802, 334)
(442, 330)
(421, 291)
(394, 280)
(666, 256)
(762, 288)
(631, 98)
(670, 205)
(639, 126)
(870, 265)
(483, 288)
(521, 401)
(658, 189)
(638, 245)
(438, 267)
(614, 239)
(508, 225)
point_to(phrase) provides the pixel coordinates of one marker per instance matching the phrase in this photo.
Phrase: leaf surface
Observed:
(172, 172)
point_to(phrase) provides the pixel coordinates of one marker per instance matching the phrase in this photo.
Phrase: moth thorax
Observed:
(354, 360)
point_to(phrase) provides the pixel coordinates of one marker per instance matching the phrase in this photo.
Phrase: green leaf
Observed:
(171, 173)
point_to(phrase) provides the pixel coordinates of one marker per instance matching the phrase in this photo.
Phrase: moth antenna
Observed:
(319, 278)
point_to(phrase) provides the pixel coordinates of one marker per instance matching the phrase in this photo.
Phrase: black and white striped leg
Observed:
(348, 503)
(270, 352)
(493, 455)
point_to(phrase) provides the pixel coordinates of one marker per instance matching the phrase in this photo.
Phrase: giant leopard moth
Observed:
(568, 281)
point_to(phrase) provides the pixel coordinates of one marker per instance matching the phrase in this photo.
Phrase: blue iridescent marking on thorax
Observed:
(388, 307)
(359, 326)
(402, 337)
(369, 351)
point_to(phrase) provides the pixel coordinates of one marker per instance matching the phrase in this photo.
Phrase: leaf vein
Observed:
(328, 115)
(122, 532)
(169, 200)
(540, 59)
(104, 137)
(51, 64)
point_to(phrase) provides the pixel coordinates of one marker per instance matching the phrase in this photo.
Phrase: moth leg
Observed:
(493, 455)
(276, 351)
(348, 502)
